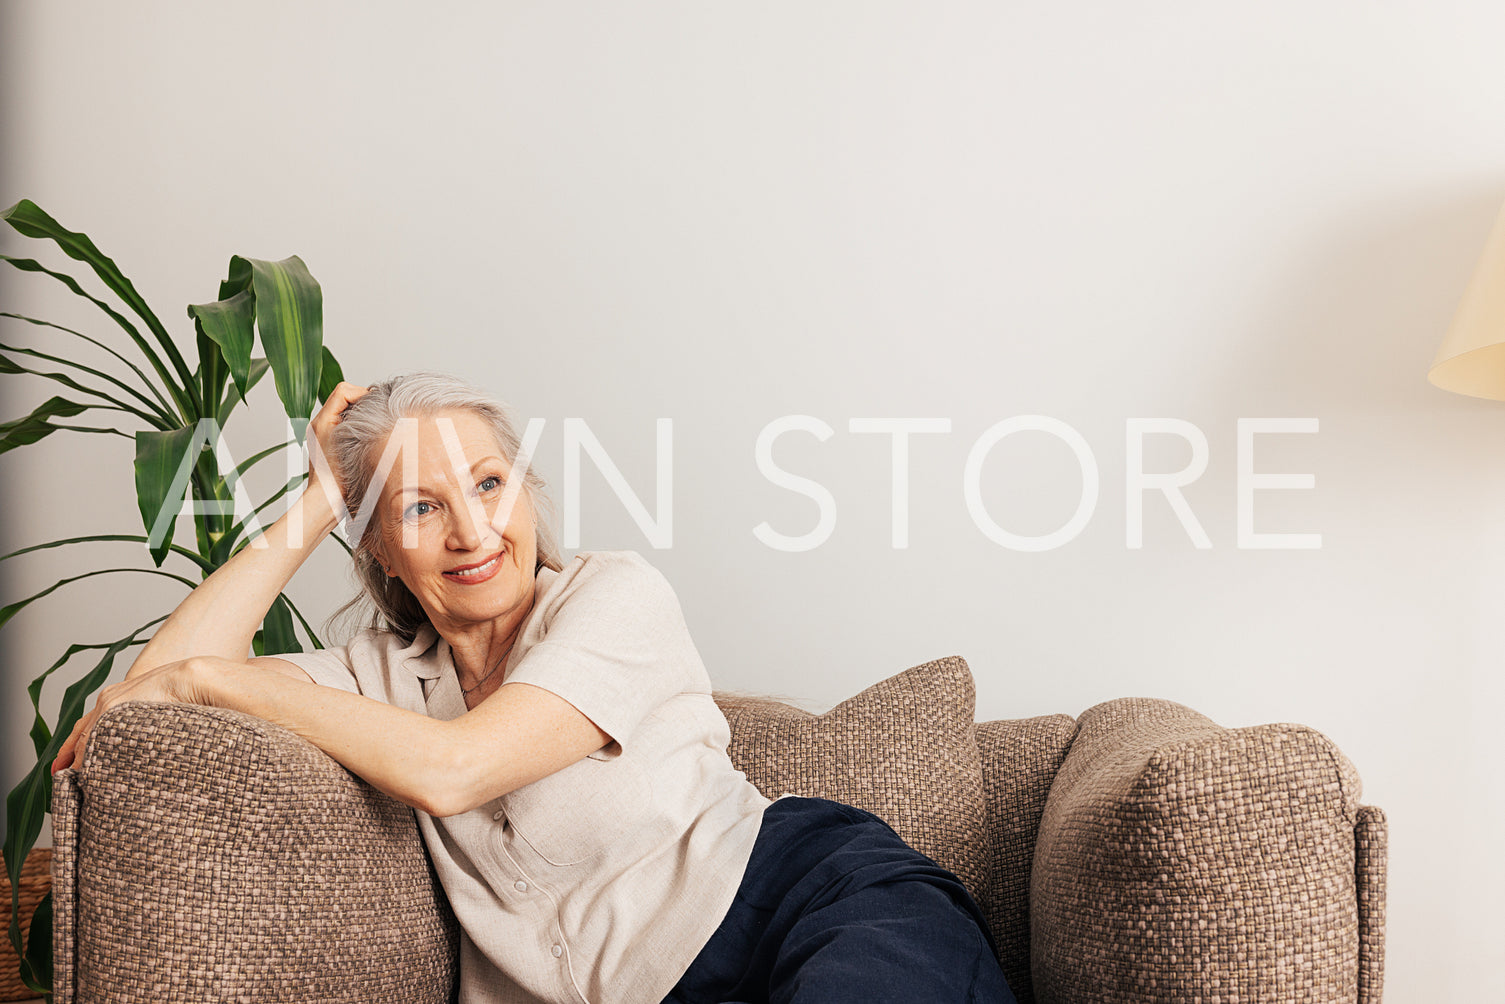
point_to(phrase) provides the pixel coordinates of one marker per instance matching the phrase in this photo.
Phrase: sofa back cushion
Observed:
(904, 748)
(1020, 758)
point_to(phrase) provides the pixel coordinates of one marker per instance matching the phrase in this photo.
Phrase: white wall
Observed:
(727, 213)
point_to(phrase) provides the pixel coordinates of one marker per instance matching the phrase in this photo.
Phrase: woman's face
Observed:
(437, 522)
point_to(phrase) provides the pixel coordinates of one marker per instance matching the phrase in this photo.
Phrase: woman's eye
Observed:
(494, 481)
(413, 509)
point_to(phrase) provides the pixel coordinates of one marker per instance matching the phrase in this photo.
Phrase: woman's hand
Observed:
(173, 682)
(322, 430)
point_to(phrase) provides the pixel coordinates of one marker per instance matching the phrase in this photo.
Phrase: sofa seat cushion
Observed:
(904, 748)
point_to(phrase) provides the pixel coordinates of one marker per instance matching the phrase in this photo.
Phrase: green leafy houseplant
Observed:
(177, 456)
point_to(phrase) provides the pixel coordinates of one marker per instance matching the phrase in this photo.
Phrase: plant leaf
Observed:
(330, 376)
(28, 219)
(277, 630)
(185, 405)
(39, 944)
(160, 406)
(210, 373)
(9, 611)
(29, 801)
(27, 430)
(41, 735)
(290, 317)
(8, 365)
(86, 428)
(307, 629)
(259, 367)
(203, 563)
(164, 469)
(237, 277)
(251, 461)
(225, 546)
(230, 324)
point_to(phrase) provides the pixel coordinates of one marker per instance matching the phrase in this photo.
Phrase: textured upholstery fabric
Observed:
(1178, 860)
(64, 808)
(1020, 759)
(1371, 852)
(905, 748)
(205, 855)
(222, 858)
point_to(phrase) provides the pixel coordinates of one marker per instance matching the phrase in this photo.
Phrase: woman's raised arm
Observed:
(221, 615)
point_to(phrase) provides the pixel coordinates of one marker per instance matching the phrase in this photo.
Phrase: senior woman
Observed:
(553, 726)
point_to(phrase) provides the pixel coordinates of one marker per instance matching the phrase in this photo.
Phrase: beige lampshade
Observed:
(1472, 357)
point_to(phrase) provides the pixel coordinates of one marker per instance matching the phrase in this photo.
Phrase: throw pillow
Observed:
(904, 748)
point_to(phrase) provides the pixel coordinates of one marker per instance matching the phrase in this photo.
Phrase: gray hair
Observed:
(355, 448)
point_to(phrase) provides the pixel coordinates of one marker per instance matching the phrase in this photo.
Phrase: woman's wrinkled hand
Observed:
(178, 682)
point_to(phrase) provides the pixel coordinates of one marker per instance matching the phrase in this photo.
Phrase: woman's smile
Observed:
(471, 574)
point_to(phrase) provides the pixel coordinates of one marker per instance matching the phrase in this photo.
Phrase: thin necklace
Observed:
(470, 690)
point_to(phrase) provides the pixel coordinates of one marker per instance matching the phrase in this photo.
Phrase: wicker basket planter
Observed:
(36, 880)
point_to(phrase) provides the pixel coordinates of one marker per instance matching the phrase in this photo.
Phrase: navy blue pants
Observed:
(836, 908)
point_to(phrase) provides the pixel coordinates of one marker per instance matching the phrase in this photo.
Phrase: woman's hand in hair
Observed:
(321, 436)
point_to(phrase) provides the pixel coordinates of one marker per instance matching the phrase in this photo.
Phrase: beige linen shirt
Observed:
(600, 883)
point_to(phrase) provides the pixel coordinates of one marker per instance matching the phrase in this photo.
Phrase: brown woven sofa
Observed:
(1138, 853)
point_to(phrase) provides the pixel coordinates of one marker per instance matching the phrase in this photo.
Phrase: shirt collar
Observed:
(428, 654)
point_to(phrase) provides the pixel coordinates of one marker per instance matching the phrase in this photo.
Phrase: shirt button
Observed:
(497, 814)
(557, 950)
(520, 885)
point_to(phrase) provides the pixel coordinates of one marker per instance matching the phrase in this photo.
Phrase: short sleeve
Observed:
(615, 645)
(329, 667)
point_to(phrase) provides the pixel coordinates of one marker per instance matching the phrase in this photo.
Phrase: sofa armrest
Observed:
(205, 854)
(1178, 860)
(1371, 849)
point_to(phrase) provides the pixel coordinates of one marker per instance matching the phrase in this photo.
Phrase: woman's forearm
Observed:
(407, 755)
(220, 617)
